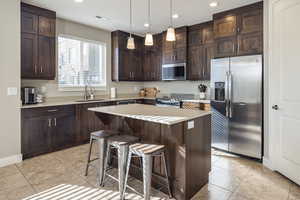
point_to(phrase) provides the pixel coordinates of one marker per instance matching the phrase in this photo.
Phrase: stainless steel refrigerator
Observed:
(236, 101)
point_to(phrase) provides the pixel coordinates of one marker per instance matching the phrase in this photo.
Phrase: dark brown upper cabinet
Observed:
(200, 51)
(37, 43)
(127, 64)
(175, 52)
(239, 31)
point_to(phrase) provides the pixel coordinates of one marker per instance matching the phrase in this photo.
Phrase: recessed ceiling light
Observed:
(213, 4)
(146, 24)
(78, 1)
(175, 16)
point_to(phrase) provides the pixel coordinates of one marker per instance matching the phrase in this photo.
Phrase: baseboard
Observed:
(267, 163)
(10, 160)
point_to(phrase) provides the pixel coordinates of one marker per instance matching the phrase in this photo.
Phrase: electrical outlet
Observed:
(191, 124)
(12, 91)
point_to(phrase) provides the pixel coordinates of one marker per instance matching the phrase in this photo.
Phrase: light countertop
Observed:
(74, 101)
(162, 115)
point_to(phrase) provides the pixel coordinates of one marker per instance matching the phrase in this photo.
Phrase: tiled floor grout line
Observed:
(26, 178)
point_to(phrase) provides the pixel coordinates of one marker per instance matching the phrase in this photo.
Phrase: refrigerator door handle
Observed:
(227, 94)
(230, 85)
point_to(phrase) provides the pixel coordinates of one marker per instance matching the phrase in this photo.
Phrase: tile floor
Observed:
(231, 178)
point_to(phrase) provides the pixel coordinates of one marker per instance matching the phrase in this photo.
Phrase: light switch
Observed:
(191, 124)
(12, 91)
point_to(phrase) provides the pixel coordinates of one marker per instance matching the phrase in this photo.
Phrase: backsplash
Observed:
(184, 87)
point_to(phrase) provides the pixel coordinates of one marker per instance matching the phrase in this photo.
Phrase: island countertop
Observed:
(162, 115)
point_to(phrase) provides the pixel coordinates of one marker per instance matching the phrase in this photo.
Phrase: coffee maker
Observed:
(29, 95)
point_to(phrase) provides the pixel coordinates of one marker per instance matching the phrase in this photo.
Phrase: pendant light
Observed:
(171, 31)
(130, 40)
(149, 36)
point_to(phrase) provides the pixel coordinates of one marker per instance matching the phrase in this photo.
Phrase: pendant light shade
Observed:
(130, 43)
(171, 34)
(171, 31)
(149, 39)
(130, 40)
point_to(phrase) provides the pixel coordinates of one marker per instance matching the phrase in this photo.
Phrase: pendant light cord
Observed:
(130, 5)
(171, 11)
(149, 18)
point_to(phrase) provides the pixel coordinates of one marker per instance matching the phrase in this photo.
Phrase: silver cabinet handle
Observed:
(41, 69)
(55, 122)
(35, 69)
(54, 110)
(49, 122)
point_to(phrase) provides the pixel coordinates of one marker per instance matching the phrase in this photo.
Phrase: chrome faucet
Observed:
(88, 93)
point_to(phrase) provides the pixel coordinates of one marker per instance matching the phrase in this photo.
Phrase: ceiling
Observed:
(116, 12)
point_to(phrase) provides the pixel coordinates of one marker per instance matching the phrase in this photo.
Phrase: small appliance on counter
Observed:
(29, 95)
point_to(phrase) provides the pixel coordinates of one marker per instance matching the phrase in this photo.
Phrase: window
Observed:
(80, 62)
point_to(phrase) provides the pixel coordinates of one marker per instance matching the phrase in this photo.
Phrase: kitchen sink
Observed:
(89, 100)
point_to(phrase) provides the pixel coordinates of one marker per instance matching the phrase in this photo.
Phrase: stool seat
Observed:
(104, 133)
(142, 149)
(119, 140)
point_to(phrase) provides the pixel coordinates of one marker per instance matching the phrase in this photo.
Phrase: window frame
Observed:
(101, 87)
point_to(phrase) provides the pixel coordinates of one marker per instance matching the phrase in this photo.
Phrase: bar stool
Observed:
(121, 143)
(101, 137)
(146, 152)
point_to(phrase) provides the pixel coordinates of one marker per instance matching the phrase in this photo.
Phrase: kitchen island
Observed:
(185, 133)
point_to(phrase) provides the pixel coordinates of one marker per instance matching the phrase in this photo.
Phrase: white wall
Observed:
(10, 145)
(82, 31)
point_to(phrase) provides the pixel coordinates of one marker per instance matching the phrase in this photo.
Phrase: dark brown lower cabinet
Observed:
(87, 121)
(47, 129)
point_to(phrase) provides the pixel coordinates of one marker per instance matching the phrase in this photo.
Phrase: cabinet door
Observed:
(180, 55)
(208, 56)
(195, 37)
(147, 65)
(157, 57)
(168, 57)
(195, 63)
(136, 66)
(208, 34)
(181, 38)
(29, 23)
(251, 22)
(250, 44)
(63, 131)
(28, 55)
(46, 26)
(36, 138)
(124, 65)
(225, 47)
(46, 57)
(225, 27)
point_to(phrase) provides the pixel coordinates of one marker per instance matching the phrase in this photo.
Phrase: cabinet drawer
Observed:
(48, 111)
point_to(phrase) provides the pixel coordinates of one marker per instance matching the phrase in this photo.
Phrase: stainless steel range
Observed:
(174, 100)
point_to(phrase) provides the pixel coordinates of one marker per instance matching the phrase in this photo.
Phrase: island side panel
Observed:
(173, 137)
(198, 152)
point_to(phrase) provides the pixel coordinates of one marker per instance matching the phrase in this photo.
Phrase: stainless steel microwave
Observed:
(174, 72)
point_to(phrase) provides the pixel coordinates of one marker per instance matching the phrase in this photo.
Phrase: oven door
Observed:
(173, 72)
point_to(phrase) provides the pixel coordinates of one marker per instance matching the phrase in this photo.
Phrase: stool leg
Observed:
(126, 175)
(122, 163)
(89, 157)
(167, 174)
(101, 152)
(106, 163)
(147, 175)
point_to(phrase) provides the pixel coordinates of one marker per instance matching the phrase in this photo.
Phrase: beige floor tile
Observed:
(294, 192)
(262, 186)
(20, 193)
(236, 196)
(212, 192)
(225, 179)
(8, 170)
(12, 182)
(238, 165)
